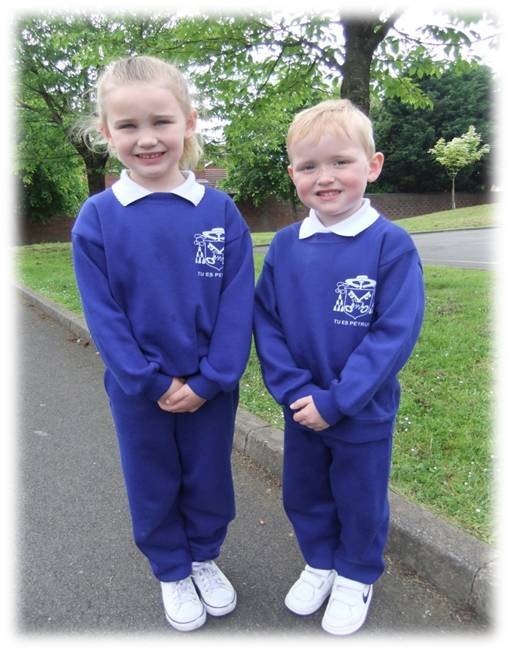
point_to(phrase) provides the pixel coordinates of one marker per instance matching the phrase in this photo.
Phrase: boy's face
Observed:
(331, 175)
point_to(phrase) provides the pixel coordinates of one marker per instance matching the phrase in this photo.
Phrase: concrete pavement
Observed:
(458, 566)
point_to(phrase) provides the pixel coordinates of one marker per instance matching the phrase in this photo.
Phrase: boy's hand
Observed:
(307, 414)
(182, 400)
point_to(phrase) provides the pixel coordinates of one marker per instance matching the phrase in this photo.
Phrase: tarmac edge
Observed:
(456, 563)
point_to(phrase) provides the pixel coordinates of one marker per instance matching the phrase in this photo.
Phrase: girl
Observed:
(165, 271)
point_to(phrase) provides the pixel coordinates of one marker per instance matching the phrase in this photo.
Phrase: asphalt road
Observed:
(78, 570)
(471, 248)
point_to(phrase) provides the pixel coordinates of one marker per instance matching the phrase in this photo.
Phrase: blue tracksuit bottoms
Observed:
(178, 477)
(335, 494)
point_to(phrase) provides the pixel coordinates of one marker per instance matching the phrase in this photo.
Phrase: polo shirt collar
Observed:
(128, 191)
(351, 226)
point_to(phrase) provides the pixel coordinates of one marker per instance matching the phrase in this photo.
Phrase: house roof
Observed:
(211, 175)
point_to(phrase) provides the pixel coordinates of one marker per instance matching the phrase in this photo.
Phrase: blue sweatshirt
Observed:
(167, 289)
(337, 318)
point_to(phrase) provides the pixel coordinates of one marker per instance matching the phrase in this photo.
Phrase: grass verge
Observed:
(482, 216)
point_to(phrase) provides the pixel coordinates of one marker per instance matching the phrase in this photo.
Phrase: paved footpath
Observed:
(79, 572)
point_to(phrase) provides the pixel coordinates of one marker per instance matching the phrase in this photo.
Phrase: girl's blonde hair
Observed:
(140, 69)
(332, 115)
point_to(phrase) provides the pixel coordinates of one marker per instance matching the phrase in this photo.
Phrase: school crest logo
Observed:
(210, 246)
(355, 296)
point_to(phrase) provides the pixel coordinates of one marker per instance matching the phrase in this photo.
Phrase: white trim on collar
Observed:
(128, 191)
(351, 226)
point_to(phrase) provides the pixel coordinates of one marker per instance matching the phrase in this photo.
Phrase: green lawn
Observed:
(443, 451)
(460, 218)
(47, 269)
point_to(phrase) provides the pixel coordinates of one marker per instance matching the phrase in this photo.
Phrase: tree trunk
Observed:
(96, 177)
(362, 37)
(95, 163)
(453, 192)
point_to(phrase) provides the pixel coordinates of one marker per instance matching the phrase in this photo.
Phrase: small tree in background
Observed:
(458, 153)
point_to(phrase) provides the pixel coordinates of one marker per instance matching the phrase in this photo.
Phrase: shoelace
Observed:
(206, 574)
(183, 591)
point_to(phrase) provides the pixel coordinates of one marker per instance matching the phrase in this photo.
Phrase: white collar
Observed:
(351, 226)
(128, 191)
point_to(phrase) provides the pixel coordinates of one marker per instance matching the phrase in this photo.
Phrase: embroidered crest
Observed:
(355, 296)
(210, 245)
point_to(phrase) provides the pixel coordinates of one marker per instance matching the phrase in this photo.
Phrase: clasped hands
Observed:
(306, 414)
(179, 397)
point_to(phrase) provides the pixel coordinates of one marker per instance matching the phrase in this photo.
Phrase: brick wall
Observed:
(401, 204)
(273, 214)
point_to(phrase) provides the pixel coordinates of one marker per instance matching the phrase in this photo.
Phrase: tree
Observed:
(362, 38)
(53, 84)
(459, 153)
(57, 60)
(239, 65)
(405, 133)
(248, 64)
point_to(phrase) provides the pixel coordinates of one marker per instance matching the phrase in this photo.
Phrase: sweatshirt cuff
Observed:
(203, 387)
(306, 390)
(326, 406)
(157, 386)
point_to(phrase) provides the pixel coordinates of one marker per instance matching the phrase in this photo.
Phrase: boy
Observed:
(339, 306)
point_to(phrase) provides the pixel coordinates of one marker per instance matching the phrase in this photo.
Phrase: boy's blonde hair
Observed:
(332, 115)
(140, 69)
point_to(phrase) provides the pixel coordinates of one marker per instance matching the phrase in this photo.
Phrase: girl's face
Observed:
(331, 175)
(147, 127)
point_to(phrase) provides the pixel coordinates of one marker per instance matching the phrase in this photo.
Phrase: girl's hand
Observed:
(175, 385)
(183, 400)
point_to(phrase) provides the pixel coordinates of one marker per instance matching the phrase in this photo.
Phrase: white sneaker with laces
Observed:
(216, 592)
(347, 607)
(183, 608)
(308, 593)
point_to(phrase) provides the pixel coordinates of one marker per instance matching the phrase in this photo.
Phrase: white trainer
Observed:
(347, 607)
(183, 608)
(310, 590)
(216, 592)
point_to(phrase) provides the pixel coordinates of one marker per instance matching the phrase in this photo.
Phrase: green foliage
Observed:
(49, 191)
(256, 155)
(458, 153)
(257, 70)
(251, 71)
(405, 133)
(50, 176)
(57, 62)
(256, 151)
